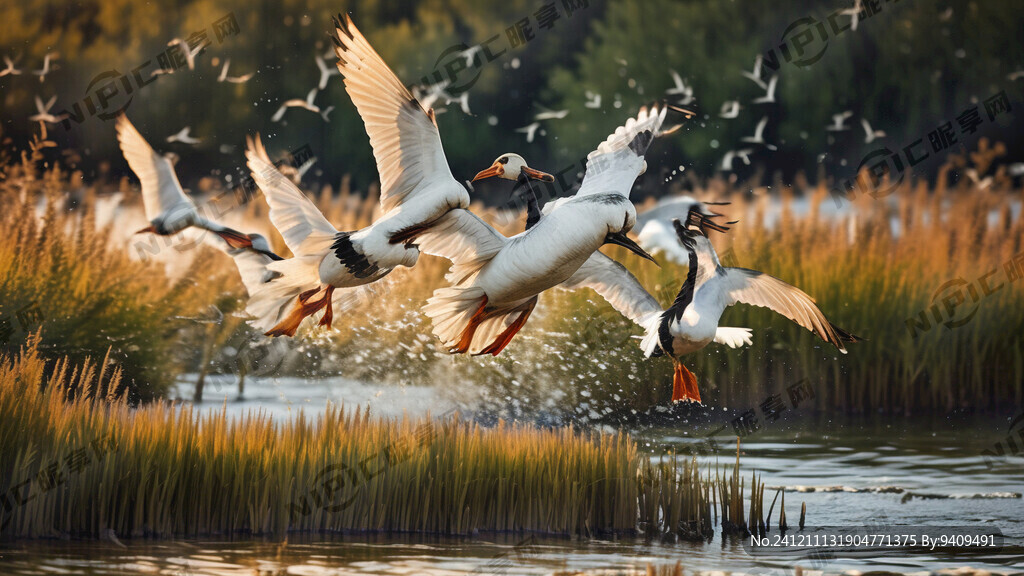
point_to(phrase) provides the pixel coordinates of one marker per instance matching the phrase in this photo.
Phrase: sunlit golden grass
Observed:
(63, 277)
(77, 460)
(872, 267)
(874, 281)
(871, 281)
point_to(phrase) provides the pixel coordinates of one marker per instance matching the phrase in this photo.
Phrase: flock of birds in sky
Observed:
(494, 281)
(681, 93)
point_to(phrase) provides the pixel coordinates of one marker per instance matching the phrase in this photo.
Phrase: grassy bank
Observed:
(76, 460)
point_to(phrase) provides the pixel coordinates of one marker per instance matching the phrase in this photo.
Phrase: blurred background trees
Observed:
(909, 66)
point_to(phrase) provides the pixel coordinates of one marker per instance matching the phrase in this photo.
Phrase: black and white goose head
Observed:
(698, 221)
(687, 237)
(511, 166)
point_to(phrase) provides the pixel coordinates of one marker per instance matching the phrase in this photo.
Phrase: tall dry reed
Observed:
(77, 460)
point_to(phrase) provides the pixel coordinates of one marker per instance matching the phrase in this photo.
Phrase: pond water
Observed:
(893, 474)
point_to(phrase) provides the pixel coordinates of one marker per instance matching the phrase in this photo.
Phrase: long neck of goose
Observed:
(685, 296)
(532, 203)
(675, 311)
(707, 259)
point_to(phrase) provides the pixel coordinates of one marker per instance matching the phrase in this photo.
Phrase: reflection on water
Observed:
(883, 473)
(283, 397)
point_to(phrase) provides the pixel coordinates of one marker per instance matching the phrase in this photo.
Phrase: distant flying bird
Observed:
(945, 16)
(42, 72)
(43, 112)
(1011, 76)
(530, 130)
(233, 79)
(10, 69)
(593, 100)
(462, 100)
(428, 94)
(769, 95)
(227, 148)
(680, 89)
(548, 114)
(730, 109)
(854, 13)
(979, 183)
(755, 76)
(758, 137)
(743, 154)
(184, 137)
(306, 104)
(691, 322)
(870, 135)
(325, 72)
(168, 209)
(470, 54)
(190, 54)
(839, 122)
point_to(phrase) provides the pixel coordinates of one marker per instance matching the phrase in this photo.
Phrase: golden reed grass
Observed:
(77, 460)
(885, 268)
(61, 276)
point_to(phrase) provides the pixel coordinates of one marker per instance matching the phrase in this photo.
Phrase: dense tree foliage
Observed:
(909, 67)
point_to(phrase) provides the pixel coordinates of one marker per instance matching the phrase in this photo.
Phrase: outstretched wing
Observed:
(463, 238)
(255, 146)
(161, 191)
(740, 285)
(294, 215)
(616, 285)
(403, 135)
(620, 158)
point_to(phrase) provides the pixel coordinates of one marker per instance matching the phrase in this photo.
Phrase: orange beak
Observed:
(537, 174)
(150, 229)
(496, 169)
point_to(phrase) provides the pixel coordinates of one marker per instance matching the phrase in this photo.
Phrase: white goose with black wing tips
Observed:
(496, 280)
(417, 188)
(167, 207)
(691, 322)
(323, 259)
